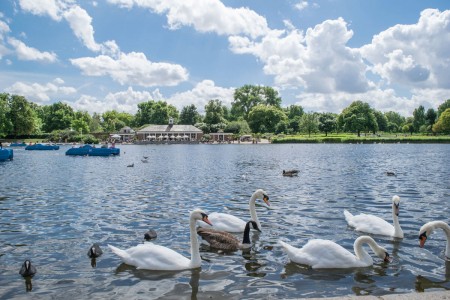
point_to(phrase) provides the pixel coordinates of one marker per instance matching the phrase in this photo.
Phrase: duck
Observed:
(326, 254)
(390, 173)
(376, 225)
(27, 269)
(290, 173)
(149, 256)
(230, 223)
(226, 241)
(144, 160)
(130, 165)
(95, 251)
(150, 235)
(426, 230)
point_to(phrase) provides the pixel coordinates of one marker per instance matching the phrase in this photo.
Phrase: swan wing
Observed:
(224, 222)
(371, 224)
(152, 257)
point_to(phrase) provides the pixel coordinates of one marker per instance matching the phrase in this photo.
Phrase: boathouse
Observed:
(169, 133)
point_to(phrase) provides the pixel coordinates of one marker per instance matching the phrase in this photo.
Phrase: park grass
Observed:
(363, 139)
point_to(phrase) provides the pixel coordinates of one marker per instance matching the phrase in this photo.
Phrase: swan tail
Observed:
(119, 252)
(348, 216)
(288, 248)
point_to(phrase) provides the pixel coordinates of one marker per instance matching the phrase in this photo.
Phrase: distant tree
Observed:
(189, 115)
(282, 127)
(358, 117)
(214, 112)
(249, 96)
(443, 107)
(5, 121)
(152, 112)
(238, 127)
(22, 116)
(294, 111)
(392, 127)
(57, 116)
(430, 117)
(382, 121)
(309, 123)
(263, 118)
(396, 118)
(418, 118)
(443, 123)
(95, 123)
(327, 122)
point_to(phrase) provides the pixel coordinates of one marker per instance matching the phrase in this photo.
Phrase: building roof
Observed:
(169, 128)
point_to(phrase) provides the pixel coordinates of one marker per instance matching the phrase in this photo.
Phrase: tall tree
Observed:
(358, 117)
(430, 117)
(152, 112)
(382, 121)
(309, 123)
(395, 117)
(418, 118)
(263, 118)
(22, 116)
(443, 107)
(57, 116)
(327, 122)
(189, 115)
(249, 96)
(214, 112)
(443, 123)
(5, 121)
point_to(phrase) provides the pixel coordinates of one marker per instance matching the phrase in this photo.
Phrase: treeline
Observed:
(255, 109)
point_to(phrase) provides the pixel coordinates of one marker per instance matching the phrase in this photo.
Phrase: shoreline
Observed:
(435, 295)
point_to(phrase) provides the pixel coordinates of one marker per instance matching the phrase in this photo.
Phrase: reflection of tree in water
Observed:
(424, 283)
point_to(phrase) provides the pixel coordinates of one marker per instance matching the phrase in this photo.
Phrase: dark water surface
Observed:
(53, 207)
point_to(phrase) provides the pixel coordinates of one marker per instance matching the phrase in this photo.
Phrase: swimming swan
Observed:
(376, 225)
(230, 223)
(427, 229)
(226, 241)
(325, 254)
(155, 257)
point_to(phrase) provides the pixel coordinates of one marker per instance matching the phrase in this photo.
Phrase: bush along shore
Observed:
(353, 139)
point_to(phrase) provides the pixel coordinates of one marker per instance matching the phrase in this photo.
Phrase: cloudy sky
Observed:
(322, 55)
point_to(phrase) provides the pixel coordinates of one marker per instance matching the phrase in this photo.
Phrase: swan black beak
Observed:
(266, 200)
(387, 258)
(422, 239)
(397, 208)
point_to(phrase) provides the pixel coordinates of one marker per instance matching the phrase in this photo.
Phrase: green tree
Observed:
(249, 96)
(395, 117)
(418, 118)
(238, 127)
(430, 117)
(189, 115)
(152, 112)
(443, 123)
(5, 121)
(95, 125)
(214, 112)
(263, 118)
(57, 116)
(382, 121)
(358, 117)
(443, 107)
(294, 111)
(327, 122)
(309, 123)
(22, 116)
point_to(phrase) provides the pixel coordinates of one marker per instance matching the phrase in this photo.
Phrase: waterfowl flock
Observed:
(218, 231)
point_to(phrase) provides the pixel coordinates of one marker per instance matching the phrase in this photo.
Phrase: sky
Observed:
(323, 55)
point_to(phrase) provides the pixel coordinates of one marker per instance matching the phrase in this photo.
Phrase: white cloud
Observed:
(204, 16)
(200, 95)
(4, 29)
(413, 55)
(301, 5)
(39, 93)
(318, 61)
(124, 101)
(132, 69)
(51, 8)
(80, 23)
(24, 52)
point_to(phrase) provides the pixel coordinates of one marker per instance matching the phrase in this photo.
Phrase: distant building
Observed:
(169, 133)
(125, 134)
(221, 136)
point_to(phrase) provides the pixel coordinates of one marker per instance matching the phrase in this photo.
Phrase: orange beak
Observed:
(422, 241)
(266, 200)
(205, 219)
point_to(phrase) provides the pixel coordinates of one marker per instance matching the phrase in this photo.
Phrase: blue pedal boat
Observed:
(42, 147)
(88, 150)
(6, 154)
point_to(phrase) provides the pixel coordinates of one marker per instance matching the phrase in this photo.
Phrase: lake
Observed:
(54, 207)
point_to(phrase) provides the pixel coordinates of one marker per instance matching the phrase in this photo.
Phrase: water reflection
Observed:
(424, 283)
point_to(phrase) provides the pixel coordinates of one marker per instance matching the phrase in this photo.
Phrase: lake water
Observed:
(54, 207)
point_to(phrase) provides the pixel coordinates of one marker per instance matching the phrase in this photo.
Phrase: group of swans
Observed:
(319, 253)
(155, 257)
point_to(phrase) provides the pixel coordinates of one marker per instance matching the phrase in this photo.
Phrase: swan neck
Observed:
(446, 228)
(398, 232)
(246, 239)
(195, 252)
(360, 252)
(252, 207)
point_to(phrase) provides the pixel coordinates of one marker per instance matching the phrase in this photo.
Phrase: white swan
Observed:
(376, 225)
(226, 241)
(230, 223)
(325, 254)
(427, 229)
(155, 257)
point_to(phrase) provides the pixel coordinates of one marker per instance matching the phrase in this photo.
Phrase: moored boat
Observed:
(42, 147)
(6, 154)
(88, 150)
(22, 144)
